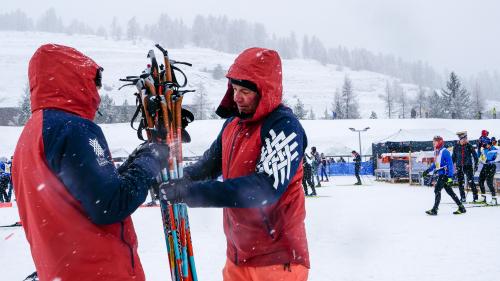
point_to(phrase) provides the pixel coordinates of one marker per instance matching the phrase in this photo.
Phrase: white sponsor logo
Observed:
(277, 154)
(99, 152)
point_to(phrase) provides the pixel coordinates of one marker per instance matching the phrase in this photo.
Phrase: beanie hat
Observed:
(244, 83)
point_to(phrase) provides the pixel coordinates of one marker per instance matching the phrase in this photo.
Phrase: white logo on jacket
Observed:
(99, 152)
(276, 156)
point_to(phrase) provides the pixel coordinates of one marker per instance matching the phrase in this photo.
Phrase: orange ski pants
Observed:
(295, 272)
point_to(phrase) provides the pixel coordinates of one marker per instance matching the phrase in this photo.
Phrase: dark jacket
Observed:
(463, 155)
(357, 160)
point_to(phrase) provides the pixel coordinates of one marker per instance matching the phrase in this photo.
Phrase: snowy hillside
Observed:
(330, 136)
(312, 82)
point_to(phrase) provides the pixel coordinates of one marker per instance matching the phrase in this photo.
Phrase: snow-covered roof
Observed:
(404, 135)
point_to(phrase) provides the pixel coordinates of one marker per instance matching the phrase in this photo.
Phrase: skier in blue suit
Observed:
(443, 167)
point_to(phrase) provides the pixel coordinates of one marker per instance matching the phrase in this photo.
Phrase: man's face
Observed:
(434, 143)
(246, 99)
(463, 140)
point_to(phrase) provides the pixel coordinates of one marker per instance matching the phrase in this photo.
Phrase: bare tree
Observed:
(201, 104)
(420, 101)
(388, 98)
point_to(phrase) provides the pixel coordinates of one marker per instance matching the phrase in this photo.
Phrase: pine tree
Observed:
(25, 106)
(107, 110)
(456, 98)
(435, 105)
(338, 106)
(116, 30)
(218, 72)
(312, 116)
(124, 115)
(50, 22)
(349, 100)
(299, 110)
(133, 29)
(478, 103)
(373, 115)
(306, 52)
(326, 114)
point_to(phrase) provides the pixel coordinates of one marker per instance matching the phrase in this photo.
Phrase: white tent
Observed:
(405, 135)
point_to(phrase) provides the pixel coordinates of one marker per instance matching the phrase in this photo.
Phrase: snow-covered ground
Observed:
(377, 232)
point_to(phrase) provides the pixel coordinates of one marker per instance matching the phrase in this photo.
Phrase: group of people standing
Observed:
(316, 164)
(5, 182)
(463, 162)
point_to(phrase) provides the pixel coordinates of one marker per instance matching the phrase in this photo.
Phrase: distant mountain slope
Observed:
(308, 80)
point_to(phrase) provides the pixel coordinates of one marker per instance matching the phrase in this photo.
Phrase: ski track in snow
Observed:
(378, 232)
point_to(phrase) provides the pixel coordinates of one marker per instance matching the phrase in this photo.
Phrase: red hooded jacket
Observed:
(74, 205)
(260, 160)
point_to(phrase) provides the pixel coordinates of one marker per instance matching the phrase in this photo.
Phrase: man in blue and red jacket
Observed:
(259, 155)
(74, 205)
(443, 167)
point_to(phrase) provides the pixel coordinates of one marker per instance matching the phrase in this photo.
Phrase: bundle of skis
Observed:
(162, 118)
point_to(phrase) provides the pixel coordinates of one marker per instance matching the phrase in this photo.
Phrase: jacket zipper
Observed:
(229, 165)
(270, 231)
(232, 146)
(131, 251)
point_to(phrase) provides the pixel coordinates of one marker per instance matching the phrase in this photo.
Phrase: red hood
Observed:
(262, 67)
(63, 78)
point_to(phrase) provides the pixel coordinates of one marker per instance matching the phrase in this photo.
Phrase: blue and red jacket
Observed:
(259, 159)
(74, 204)
(443, 163)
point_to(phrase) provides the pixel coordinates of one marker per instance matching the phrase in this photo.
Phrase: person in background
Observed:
(316, 161)
(443, 167)
(463, 154)
(4, 183)
(307, 178)
(481, 141)
(357, 165)
(324, 167)
(488, 158)
(493, 141)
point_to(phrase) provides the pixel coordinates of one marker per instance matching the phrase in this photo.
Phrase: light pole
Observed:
(359, 137)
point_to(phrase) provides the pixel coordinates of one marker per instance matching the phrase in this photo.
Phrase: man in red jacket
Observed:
(74, 205)
(258, 153)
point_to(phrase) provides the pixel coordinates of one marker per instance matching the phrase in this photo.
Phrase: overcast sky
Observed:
(460, 35)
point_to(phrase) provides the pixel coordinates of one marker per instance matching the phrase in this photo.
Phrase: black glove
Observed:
(156, 150)
(475, 167)
(174, 191)
(425, 173)
(161, 152)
